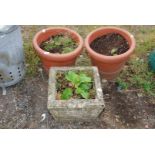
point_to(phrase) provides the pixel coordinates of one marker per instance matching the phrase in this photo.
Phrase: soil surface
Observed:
(110, 44)
(25, 106)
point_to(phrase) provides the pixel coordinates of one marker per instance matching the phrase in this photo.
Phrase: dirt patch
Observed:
(25, 106)
(127, 109)
(110, 44)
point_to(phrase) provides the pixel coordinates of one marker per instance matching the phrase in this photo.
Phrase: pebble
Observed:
(106, 94)
(43, 117)
(40, 69)
(140, 95)
(119, 89)
(137, 59)
(99, 89)
(142, 60)
(117, 120)
(27, 65)
(104, 81)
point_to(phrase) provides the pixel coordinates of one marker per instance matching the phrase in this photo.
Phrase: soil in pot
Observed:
(75, 85)
(61, 43)
(110, 44)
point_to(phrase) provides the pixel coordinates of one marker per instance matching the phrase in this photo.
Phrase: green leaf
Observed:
(78, 90)
(68, 41)
(67, 49)
(73, 77)
(84, 78)
(85, 86)
(147, 86)
(83, 93)
(67, 94)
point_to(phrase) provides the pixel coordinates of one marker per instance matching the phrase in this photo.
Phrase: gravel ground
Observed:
(25, 106)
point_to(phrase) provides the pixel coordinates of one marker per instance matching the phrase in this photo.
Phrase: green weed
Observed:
(138, 75)
(32, 60)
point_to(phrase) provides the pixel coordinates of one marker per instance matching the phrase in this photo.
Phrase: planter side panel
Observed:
(87, 113)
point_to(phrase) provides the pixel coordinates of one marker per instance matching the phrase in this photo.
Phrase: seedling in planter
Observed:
(62, 43)
(67, 93)
(110, 44)
(78, 85)
(113, 51)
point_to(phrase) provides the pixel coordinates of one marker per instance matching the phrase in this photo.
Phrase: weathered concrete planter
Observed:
(74, 109)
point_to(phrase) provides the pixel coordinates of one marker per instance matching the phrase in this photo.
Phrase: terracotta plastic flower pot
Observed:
(109, 66)
(49, 59)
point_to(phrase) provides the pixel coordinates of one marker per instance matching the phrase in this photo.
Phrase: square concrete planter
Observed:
(74, 109)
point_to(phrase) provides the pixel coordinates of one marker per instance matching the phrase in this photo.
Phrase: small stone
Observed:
(117, 116)
(106, 94)
(146, 126)
(104, 81)
(119, 89)
(81, 56)
(113, 51)
(43, 116)
(99, 89)
(140, 95)
(43, 126)
(40, 69)
(142, 60)
(117, 120)
(27, 65)
(70, 85)
(137, 59)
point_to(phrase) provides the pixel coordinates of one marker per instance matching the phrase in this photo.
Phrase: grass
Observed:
(136, 74)
(32, 60)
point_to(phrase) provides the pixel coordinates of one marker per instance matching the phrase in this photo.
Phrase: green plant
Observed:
(59, 44)
(114, 51)
(137, 75)
(67, 93)
(80, 84)
(122, 84)
(32, 60)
